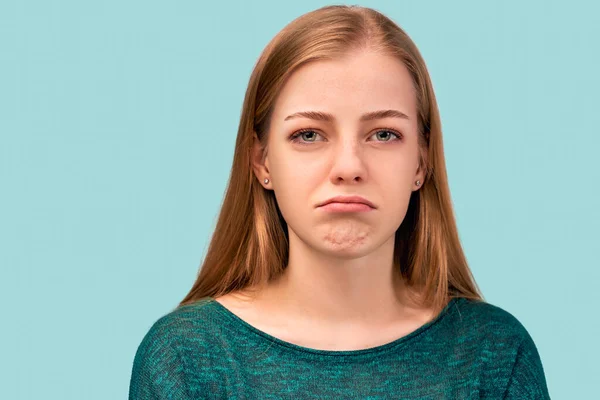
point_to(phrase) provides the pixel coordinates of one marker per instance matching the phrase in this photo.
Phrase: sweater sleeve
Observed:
(158, 371)
(527, 380)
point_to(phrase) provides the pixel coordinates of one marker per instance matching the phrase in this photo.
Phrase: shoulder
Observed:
(503, 347)
(491, 332)
(187, 327)
(174, 350)
(490, 321)
(176, 346)
(179, 324)
(497, 343)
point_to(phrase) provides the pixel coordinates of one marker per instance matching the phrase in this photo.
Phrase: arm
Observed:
(527, 380)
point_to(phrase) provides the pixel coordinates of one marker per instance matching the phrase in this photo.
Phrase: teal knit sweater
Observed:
(471, 350)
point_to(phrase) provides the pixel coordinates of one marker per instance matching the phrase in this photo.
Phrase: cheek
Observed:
(400, 168)
(293, 200)
(396, 182)
(293, 187)
(296, 169)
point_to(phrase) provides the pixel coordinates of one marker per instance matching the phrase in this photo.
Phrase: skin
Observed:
(340, 282)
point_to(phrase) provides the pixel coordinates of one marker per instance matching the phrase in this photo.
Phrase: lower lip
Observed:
(346, 207)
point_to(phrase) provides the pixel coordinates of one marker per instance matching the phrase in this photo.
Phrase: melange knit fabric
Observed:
(470, 350)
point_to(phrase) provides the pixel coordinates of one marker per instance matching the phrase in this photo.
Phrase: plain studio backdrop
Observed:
(118, 122)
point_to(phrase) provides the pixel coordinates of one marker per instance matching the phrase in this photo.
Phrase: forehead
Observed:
(361, 81)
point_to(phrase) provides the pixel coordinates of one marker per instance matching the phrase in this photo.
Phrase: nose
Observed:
(348, 164)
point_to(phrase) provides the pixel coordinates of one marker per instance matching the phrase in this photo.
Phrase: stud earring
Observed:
(266, 180)
(418, 183)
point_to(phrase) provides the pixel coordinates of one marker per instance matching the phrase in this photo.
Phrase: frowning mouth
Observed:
(348, 199)
(346, 207)
(347, 203)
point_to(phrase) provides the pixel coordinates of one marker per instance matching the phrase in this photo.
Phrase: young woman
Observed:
(335, 270)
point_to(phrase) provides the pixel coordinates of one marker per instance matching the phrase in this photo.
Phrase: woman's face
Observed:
(346, 154)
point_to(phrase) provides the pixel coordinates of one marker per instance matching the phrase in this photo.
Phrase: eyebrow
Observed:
(322, 116)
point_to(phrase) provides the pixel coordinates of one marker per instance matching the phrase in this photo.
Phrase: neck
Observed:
(367, 290)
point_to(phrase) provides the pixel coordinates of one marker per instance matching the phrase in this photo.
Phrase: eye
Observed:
(307, 133)
(311, 134)
(387, 136)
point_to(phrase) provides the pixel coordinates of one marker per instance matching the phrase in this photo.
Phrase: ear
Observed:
(422, 161)
(260, 161)
(419, 176)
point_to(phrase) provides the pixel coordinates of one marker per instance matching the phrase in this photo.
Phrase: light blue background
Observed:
(118, 122)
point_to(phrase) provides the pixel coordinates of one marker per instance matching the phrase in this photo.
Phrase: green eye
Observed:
(388, 137)
(295, 137)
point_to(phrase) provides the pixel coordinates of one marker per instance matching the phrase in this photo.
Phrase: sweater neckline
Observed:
(340, 353)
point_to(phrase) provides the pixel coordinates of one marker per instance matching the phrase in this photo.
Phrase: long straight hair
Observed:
(249, 246)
